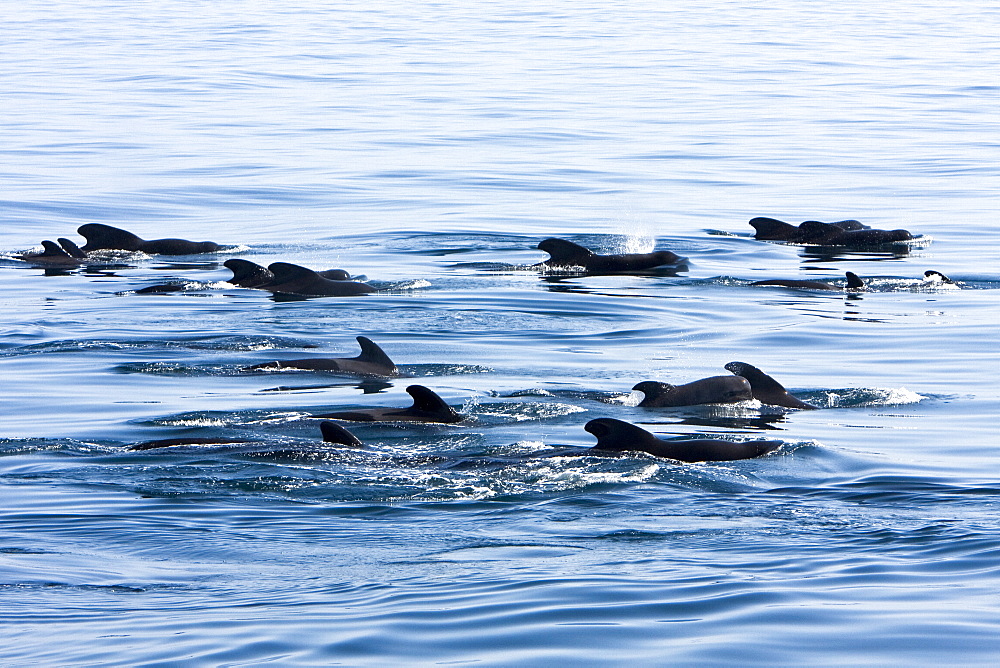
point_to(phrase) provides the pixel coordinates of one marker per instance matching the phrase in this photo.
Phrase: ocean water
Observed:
(430, 147)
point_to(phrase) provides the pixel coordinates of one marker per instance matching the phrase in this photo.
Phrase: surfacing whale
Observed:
(714, 390)
(293, 279)
(814, 232)
(616, 435)
(52, 255)
(568, 254)
(248, 274)
(854, 282)
(427, 407)
(105, 237)
(766, 389)
(371, 362)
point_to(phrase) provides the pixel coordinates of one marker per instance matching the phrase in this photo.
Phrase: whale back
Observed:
(105, 237)
(773, 229)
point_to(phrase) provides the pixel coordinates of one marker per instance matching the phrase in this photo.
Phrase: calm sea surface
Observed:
(430, 147)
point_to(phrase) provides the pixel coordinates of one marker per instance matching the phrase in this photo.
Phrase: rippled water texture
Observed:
(430, 148)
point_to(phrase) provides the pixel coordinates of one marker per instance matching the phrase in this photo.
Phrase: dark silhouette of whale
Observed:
(71, 248)
(371, 362)
(193, 440)
(766, 389)
(293, 279)
(248, 274)
(854, 282)
(334, 433)
(105, 237)
(814, 232)
(932, 275)
(52, 255)
(714, 390)
(568, 254)
(616, 435)
(427, 407)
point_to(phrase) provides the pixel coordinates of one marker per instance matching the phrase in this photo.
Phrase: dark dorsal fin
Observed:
(100, 236)
(52, 249)
(931, 274)
(71, 248)
(286, 271)
(247, 274)
(618, 435)
(854, 281)
(334, 433)
(813, 229)
(772, 228)
(564, 252)
(759, 381)
(652, 389)
(370, 352)
(426, 400)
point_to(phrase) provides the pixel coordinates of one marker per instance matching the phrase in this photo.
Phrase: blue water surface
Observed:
(430, 147)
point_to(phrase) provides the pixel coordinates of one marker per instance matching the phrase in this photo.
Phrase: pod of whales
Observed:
(765, 389)
(616, 435)
(814, 232)
(854, 282)
(427, 407)
(105, 237)
(714, 390)
(371, 362)
(566, 254)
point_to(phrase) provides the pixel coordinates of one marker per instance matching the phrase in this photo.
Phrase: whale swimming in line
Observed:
(569, 255)
(854, 282)
(427, 407)
(714, 390)
(617, 435)
(373, 361)
(105, 237)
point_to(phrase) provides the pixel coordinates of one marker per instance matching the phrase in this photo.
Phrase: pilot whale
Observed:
(294, 279)
(248, 274)
(105, 237)
(52, 255)
(854, 282)
(766, 389)
(427, 407)
(568, 254)
(371, 362)
(816, 233)
(616, 435)
(714, 390)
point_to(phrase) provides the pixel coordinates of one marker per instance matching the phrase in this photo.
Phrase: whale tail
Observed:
(564, 252)
(426, 401)
(100, 236)
(371, 353)
(334, 433)
(854, 281)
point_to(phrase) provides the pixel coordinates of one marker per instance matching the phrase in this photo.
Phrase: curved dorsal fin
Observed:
(334, 433)
(652, 389)
(615, 434)
(759, 380)
(370, 352)
(286, 271)
(52, 249)
(854, 281)
(71, 248)
(564, 252)
(426, 400)
(100, 236)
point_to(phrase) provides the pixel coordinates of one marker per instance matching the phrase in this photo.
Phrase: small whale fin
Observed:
(52, 249)
(854, 281)
(427, 401)
(71, 248)
(334, 433)
(772, 228)
(766, 389)
(370, 352)
(933, 275)
(564, 252)
(100, 236)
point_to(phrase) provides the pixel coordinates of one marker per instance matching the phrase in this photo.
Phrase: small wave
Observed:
(860, 397)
